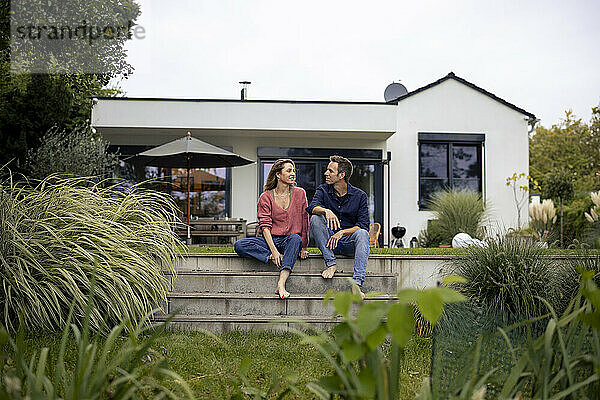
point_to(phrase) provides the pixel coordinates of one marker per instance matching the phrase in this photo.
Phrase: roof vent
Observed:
(244, 93)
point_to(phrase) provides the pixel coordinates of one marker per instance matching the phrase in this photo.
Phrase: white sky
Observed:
(543, 56)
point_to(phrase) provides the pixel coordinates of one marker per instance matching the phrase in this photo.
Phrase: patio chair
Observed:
(374, 232)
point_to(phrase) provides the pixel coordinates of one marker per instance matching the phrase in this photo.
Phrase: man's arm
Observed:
(317, 207)
(363, 220)
(333, 221)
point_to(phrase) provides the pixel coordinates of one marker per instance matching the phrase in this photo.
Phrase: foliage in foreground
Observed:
(103, 368)
(56, 235)
(512, 278)
(563, 362)
(455, 211)
(354, 350)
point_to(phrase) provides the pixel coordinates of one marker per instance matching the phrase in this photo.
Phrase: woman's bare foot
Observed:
(283, 275)
(283, 294)
(329, 272)
(356, 290)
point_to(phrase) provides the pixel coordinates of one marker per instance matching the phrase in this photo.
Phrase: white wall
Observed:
(244, 115)
(452, 107)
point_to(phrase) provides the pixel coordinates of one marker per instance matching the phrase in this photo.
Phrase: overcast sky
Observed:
(542, 56)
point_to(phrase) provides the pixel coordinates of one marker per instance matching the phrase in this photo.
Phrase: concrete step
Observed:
(265, 282)
(378, 263)
(222, 324)
(242, 304)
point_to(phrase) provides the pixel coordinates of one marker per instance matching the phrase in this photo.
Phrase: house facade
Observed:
(449, 133)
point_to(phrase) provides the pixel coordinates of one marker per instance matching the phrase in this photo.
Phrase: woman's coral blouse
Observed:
(282, 222)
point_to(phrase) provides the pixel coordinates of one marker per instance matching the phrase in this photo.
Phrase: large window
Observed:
(448, 161)
(312, 163)
(210, 188)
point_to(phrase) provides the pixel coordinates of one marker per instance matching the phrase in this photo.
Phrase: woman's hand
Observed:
(303, 254)
(276, 257)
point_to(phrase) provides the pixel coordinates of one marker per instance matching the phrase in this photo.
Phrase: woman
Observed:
(283, 221)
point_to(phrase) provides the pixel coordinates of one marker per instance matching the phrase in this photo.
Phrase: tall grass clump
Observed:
(57, 234)
(512, 277)
(122, 365)
(456, 211)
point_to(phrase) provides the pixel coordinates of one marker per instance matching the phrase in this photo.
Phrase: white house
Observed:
(448, 133)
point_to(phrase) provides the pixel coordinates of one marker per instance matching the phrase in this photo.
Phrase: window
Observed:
(448, 161)
(311, 165)
(210, 188)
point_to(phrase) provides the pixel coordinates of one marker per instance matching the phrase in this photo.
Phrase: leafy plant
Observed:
(458, 211)
(75, 152)
(108, 370)
(558, 185)
(521, 192)
(361, 370)
(431, 236)
(512, 277)
(575, 223)
(564, 362)
(54, 236)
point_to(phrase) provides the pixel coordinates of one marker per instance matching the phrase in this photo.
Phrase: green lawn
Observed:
(210, 366)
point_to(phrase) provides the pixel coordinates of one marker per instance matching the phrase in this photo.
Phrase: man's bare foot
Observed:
(329, 272)
(356, 290)
(283, 294)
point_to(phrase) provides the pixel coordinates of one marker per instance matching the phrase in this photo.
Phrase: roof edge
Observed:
(243, 101)
(451, 75)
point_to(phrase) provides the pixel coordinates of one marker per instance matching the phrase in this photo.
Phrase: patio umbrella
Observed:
(188, 152)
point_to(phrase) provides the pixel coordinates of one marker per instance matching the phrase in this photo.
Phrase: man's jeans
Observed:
(355, 245)
(257, 248)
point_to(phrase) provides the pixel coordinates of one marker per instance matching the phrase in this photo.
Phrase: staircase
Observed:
(223, 292)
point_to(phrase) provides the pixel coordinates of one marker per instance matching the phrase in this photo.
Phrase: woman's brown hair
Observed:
(275, 169)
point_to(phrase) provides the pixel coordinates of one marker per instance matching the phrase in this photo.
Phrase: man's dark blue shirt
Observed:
(352, 209)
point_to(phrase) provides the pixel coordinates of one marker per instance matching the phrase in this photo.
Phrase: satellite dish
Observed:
(393, 91)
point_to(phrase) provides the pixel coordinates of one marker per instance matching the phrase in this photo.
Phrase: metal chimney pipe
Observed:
(244, 93)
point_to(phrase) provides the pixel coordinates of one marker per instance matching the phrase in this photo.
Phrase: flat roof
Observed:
(246, 101)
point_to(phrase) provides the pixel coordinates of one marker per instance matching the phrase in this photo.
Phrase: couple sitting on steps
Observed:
(339, 222)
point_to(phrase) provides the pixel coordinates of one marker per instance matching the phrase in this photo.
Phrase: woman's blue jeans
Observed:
(355, 245)
(257, 247)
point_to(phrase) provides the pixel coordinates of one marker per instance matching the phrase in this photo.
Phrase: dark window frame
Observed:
(450, 139)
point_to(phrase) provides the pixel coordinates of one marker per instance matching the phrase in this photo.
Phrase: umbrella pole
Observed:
(189, 237)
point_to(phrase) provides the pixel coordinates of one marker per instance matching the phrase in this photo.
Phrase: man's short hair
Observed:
(344, 165)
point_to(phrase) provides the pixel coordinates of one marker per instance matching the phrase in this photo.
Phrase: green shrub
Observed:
(77, 152)
(432, 236)
(354, 347)
(114, 367)
(575, 224)
(512, 277)
(54, 236)
(455, 211)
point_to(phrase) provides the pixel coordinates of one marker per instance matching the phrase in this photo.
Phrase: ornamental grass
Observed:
(58, 234)
(512, 277)
(455, 211)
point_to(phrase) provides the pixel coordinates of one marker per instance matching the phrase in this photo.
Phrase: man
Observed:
(339, 220)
